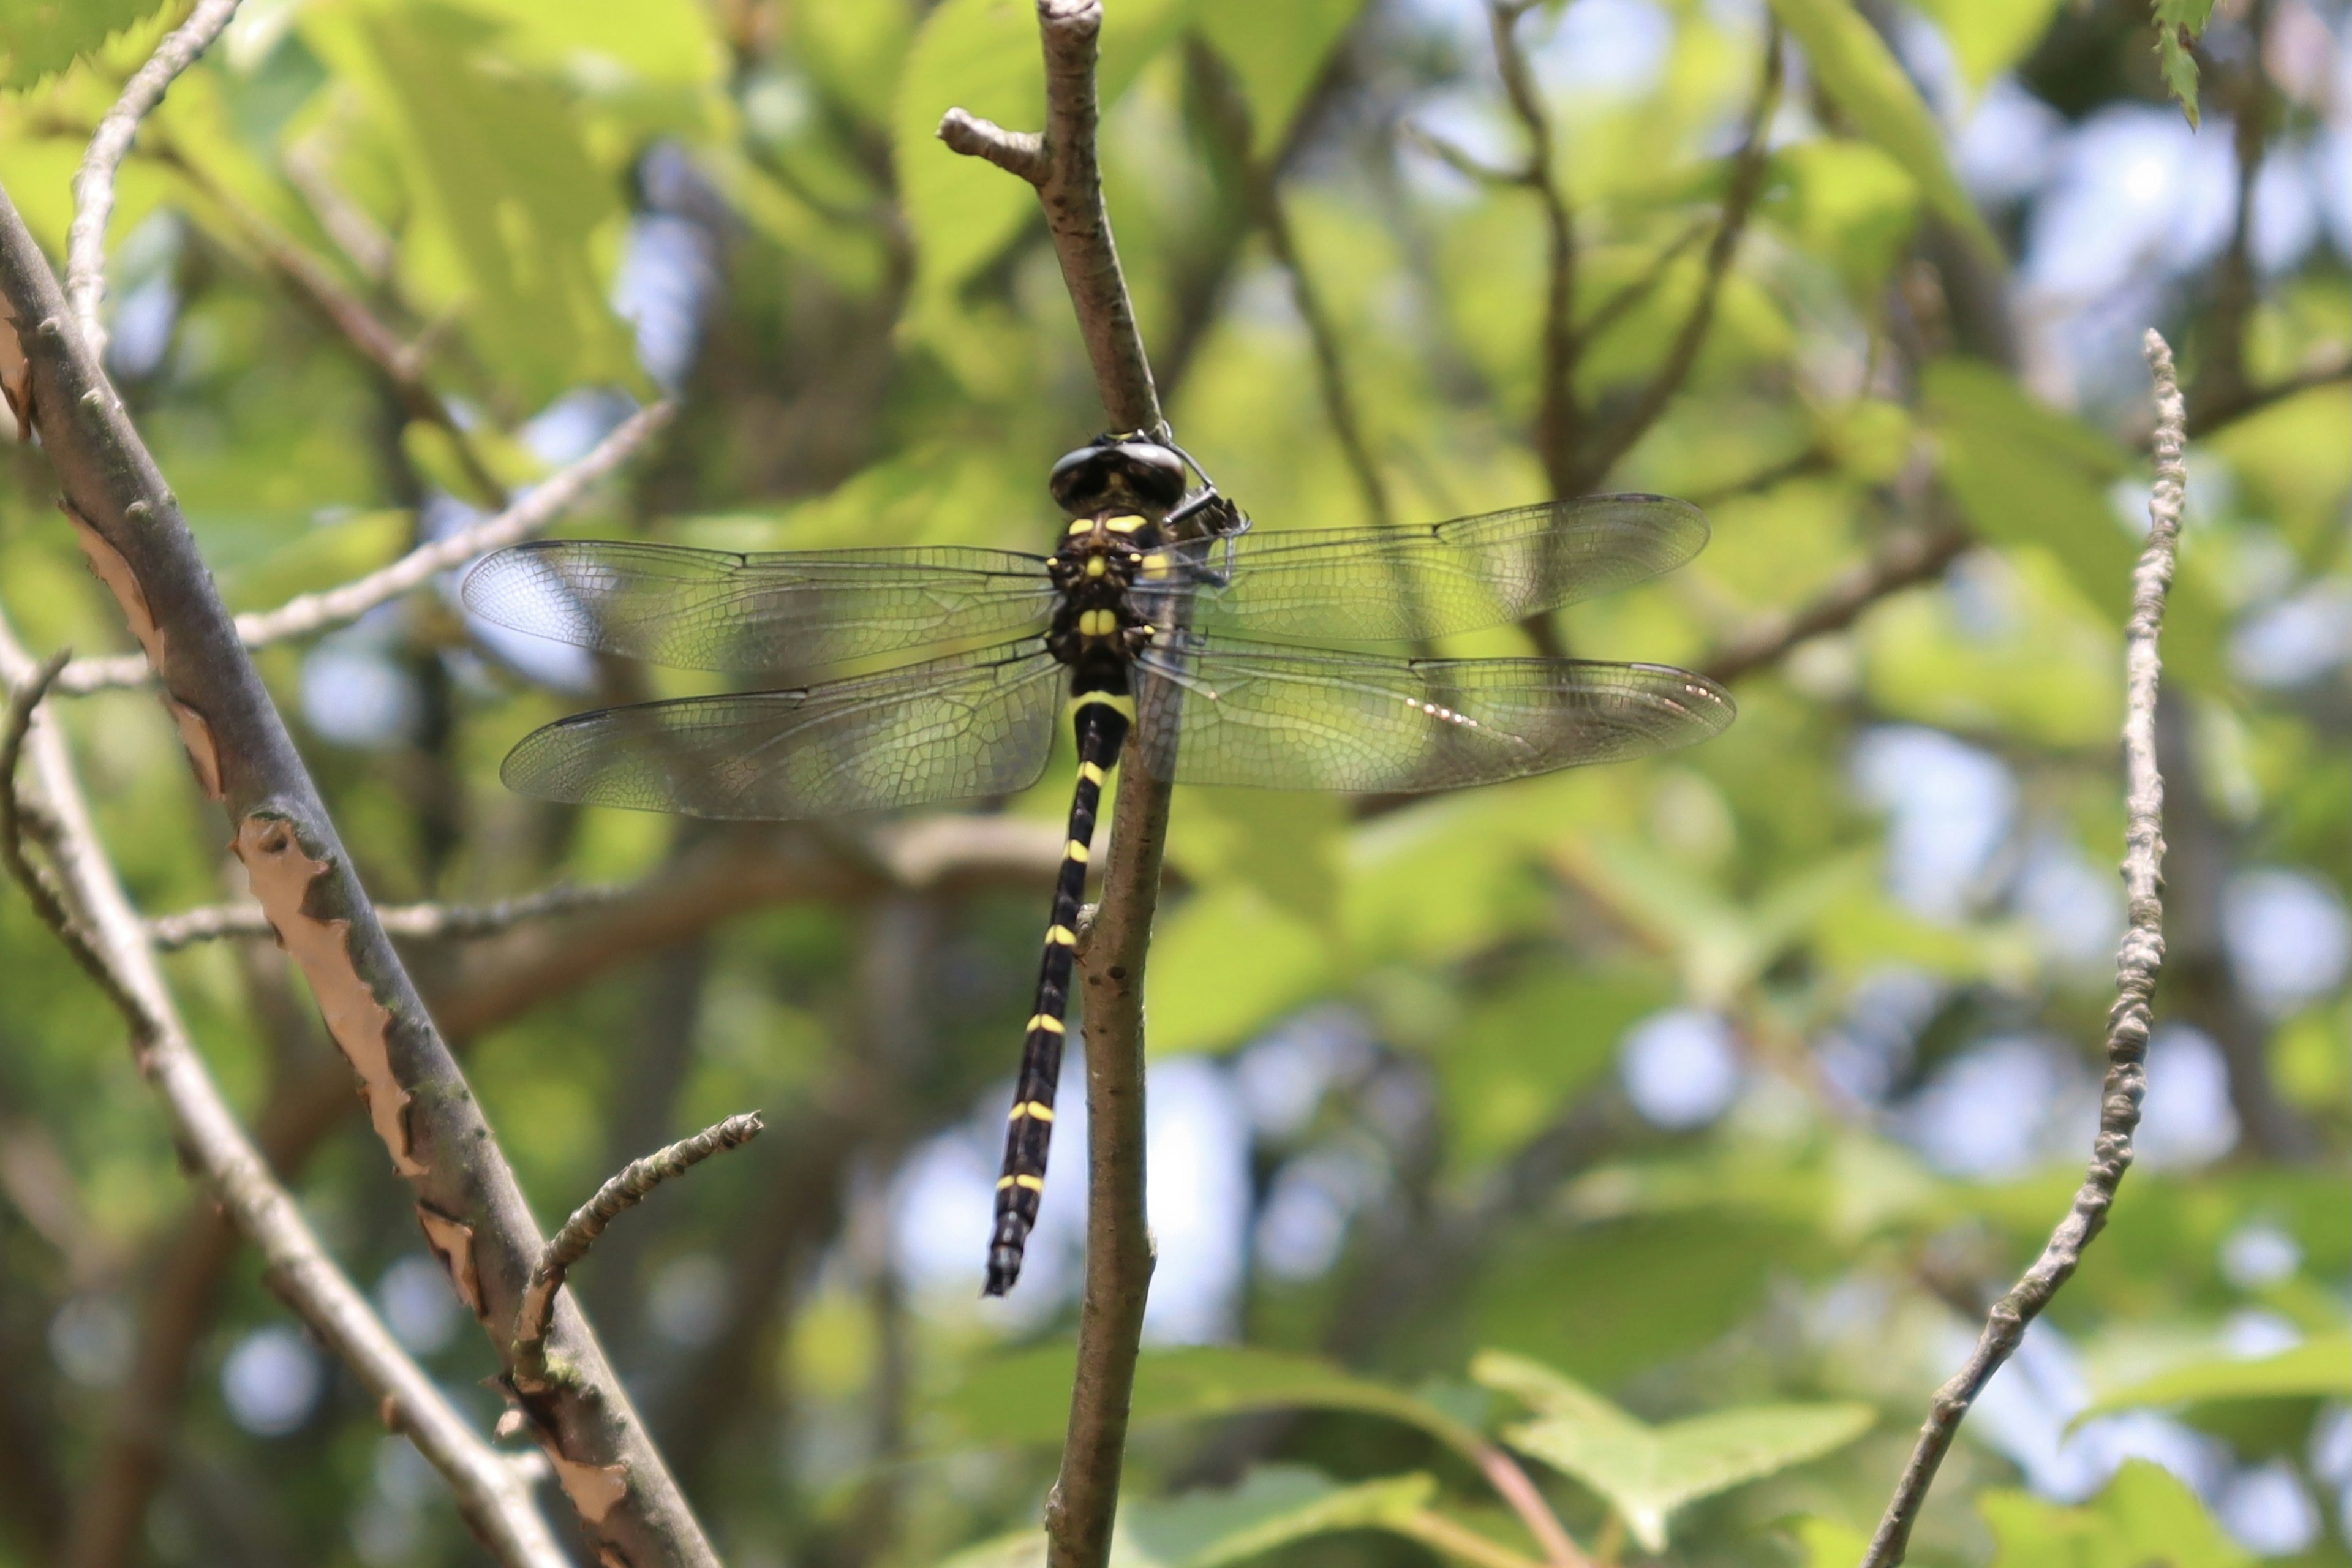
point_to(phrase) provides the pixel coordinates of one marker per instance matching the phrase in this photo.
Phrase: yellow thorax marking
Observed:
(1081, 526)
(1061, 936)
(1098, 623)
(1096, 566)
(1123, 524)
(1075, 851)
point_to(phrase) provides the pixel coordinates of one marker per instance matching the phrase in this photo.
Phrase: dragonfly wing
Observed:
(951, 729)
(1407, 584)
(712, 609)
(1233, 713)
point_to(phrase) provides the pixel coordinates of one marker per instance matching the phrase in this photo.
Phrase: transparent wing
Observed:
(951, 729)
(1405, 585)
(1237, 713)
(711, 609)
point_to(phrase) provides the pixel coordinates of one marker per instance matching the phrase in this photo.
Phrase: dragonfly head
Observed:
(1138, 474)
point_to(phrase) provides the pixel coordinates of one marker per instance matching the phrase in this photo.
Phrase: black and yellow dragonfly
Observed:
(1158, 618)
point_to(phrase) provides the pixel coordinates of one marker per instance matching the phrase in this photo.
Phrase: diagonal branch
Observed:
(309, 613)
(1903, 561)
(93, 185)
(1748, 170)
(130, 526)
(421, 922)
(531, 1373)
(106, 934)
(2137, 964)
(1115, 944)
(1229, 114)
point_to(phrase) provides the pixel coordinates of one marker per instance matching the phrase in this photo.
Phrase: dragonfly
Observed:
(1162, 624)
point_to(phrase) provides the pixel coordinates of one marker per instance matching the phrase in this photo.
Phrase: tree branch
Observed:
(1114, 945)
(130, 528)
(419, 922)
(2137, 964)
(309, 613)
(1558, 417)
(531, 1373)
(490, 1492)
(1738, 200)
(1903, 561)
(93, 185)
(1229, 112)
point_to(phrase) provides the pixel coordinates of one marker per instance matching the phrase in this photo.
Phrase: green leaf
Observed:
(1520, 1055)
(1273, 1506)
(38, 36)
(1276, 51)
(1024, 1398)
(2179, 24)
(1228, 960)
(1827, 1544)
(984, 57)
(2317, 1369)
(2145, 1517)
(515, 226)
(1857, 70)
(1988, 36)
(1646, 1472)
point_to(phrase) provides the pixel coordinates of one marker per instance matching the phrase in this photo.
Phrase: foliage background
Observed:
(1741, 1079)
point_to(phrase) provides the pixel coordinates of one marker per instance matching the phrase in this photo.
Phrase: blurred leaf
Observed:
(317, 558)
(2179, 24)
(1277, 52)
(2144, 1517)
(1829, 1544)
(1024, 1398)
(1273, 1506)
(1228, 960)
(1849, 203)
(38, 36)
(2318, 1368)
(1855, 67)
(984, 57)
(856, 52)
(1646, 1472)
(1524, 1053)
(1988, 36)
(516, 227)
(1285, 844)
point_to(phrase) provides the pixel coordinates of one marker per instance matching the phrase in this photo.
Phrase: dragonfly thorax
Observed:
(1095, 621)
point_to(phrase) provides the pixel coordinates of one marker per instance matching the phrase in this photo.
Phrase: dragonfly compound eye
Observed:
(1127, 472)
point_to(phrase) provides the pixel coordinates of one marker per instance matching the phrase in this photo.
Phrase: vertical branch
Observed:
(2137, 963)
(1747, 183)
(1558, 418)
(93, 185)
(1263, 200)
(1062, 165)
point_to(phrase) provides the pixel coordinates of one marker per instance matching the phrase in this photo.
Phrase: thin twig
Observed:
(307, 613)
(1558, 417)
(1903, 561)
(421, 922)
(1610, 310)
(1748, 170)
(2209, 414)
(93, 185)
(1114, 945)
(1443, 1535)
(490, 1492)
(2137, 964)
(570, 1245)
(1229, 112)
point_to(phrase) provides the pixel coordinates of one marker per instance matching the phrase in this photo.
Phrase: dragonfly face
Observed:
(1157, 628)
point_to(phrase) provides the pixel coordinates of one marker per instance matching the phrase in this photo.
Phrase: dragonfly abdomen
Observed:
(1102, 720)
